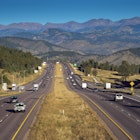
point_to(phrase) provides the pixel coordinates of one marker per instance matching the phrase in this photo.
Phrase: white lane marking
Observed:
(132, 99)
(138, 120)
(129, 114)
(137, 95)
(3, 98)
(129, 103)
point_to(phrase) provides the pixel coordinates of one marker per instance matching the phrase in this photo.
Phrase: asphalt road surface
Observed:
(14, 126)
(121, 117)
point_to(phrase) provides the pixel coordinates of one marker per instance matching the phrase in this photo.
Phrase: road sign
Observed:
(132, 83)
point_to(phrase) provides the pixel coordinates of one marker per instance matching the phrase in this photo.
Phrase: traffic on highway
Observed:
(18, 112)
(120, 112)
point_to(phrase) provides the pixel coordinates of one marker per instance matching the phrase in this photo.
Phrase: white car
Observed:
(74, 84)
(118, 97)
(18, 107)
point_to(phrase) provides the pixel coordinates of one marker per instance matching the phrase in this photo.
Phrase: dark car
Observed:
(13, 99)
(95, 89)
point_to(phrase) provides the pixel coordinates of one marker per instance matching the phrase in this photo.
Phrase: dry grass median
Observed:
(65, 116)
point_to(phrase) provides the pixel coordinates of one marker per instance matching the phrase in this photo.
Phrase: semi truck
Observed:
(84, 85)
(35, 87)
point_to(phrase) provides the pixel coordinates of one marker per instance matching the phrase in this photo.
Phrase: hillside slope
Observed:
(47, 50)
(36, 47)
(126, 55)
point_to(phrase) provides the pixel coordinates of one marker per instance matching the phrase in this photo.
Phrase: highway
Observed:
(122, 117)
(15, 126)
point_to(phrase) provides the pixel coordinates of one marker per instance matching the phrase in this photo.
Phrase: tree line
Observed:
(13, 60)
(124, 70)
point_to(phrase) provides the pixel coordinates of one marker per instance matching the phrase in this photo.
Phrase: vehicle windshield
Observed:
(14, 97)
(119, 95)
(19, 104)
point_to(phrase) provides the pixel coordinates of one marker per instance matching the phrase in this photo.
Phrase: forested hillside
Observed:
(13, 60)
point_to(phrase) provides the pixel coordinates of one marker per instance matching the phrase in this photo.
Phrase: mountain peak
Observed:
(26, 25)
(130, 21)
(98, 22)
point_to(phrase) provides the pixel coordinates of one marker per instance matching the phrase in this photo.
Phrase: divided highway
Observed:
(14, 126)
(123, 118)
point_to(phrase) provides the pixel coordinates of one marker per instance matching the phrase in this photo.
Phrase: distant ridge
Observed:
(36, 47)
(72, 25)
(96, 36)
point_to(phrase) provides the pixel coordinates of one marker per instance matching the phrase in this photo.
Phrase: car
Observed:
(19, 107)
(74, 84)
(118, 97)
(13, 99)
(95, 89)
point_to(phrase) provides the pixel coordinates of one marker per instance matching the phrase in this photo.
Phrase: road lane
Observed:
(125, 114)
(16, 125)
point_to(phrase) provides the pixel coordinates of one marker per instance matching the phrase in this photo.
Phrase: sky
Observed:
(62, 11)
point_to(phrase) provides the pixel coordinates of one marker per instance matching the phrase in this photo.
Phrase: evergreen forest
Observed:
(13, 60)
(125, 69)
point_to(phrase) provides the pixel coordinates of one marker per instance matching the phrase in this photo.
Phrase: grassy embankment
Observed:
(104, 76)
(65, 116)
(14, 78)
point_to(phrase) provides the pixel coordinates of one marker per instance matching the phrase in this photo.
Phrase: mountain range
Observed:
(100, 37)
(88, 26)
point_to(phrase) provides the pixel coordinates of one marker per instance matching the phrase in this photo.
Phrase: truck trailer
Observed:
(35, 87)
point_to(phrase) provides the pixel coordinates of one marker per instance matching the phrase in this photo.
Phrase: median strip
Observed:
(64, 115)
